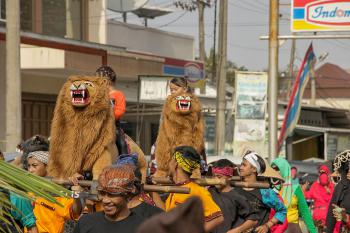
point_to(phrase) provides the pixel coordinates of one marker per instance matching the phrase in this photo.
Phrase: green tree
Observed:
(231, 68)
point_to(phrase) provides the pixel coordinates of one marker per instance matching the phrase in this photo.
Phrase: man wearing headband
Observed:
(185, 160)
(261, 200)
(115, 187)
(51, 217)
(238, 215)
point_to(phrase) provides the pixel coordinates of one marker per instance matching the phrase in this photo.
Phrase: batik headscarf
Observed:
(288, 188)
(187, 158)
(117, 179)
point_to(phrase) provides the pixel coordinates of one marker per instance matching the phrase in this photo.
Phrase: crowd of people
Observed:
(122, 205)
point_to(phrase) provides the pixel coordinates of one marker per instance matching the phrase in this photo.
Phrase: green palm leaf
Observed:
(20, 182)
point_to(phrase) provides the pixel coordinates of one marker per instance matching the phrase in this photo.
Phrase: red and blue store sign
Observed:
(192, 70)
(320, 15)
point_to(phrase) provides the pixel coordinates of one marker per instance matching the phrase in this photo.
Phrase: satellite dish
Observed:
(125, 5)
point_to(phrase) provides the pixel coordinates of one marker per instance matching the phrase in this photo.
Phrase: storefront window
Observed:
(26, 15)
(54, 18)
(62, 18)
(2, 11)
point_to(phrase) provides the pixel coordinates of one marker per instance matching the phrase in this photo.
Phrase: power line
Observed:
(262, 3)
(229, 25)
(243, 7)
(253, 5)
(173, 21)
(328, 99)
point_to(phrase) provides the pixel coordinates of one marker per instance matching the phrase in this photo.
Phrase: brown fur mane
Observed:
(79, 135)
(178, 129)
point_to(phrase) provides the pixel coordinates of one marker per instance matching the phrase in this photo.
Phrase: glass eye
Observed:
(89, 84)
(179, 97)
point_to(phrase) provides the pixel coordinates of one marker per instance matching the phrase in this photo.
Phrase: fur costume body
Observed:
(182, 125)
(83, 130)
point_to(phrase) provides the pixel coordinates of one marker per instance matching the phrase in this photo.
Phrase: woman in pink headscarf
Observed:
(321, 193)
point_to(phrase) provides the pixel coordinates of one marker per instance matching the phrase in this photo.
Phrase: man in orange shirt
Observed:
(185, 160)
(119, 105)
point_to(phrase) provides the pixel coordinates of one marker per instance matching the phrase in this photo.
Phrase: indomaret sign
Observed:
(320, 15)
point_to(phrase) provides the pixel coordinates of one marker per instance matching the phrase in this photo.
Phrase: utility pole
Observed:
(202, 56)
(13, 76)
(201, 30)
(273, 79)
(291, 69)
(221, 81)
(213, 72)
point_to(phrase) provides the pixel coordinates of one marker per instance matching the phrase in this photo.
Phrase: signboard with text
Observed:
(153, 88)
(320, 15)
(250, 108)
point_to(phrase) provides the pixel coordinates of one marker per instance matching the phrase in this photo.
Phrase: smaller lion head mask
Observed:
(183, 103)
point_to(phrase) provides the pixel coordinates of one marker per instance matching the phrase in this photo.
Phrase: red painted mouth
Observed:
(80, 97)
(183, 105)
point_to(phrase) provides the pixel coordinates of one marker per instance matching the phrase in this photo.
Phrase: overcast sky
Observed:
(247, 21)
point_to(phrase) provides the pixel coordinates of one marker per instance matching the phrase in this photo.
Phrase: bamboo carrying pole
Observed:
(147, 188)
(235, 181)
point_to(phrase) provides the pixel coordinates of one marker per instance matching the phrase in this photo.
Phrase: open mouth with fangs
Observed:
(183, 105)
(80, 96)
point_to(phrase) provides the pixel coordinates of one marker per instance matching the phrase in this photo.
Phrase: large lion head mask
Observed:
(82, 128)
(85, 94)
(182, 104)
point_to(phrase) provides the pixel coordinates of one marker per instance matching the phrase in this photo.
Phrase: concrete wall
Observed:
(41, 84)
(97, 21)
(129, 67)
(2, 95)
(41, 57)
(150, 40)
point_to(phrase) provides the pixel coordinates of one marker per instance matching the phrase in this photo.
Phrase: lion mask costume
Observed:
(83, 130)
(182, 125)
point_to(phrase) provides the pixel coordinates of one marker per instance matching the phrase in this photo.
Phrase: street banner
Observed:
(250, 108)
(320, 15)
(292, 113)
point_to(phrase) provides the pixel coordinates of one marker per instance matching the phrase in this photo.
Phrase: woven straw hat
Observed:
(271, 173)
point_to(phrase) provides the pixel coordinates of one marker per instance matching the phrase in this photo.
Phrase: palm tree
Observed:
(20, 182)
